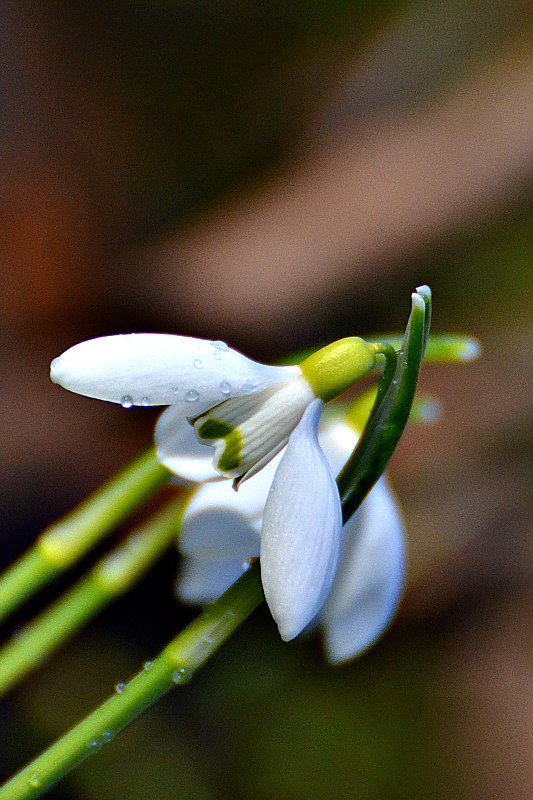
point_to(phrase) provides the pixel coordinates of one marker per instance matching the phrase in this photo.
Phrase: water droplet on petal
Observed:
(217, 354)
(197, 363)
(35, 781)
(126, 401)
(224, 387)
(145, 401)
(119, 688)
(192, 396)
(220, 345)
(249, 387)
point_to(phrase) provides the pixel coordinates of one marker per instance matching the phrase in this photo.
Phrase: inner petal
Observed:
(247, 432)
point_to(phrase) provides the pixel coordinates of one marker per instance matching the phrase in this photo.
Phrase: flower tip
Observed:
(56, 370)
(288, 631)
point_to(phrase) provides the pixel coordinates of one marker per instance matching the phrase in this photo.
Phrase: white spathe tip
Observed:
(424, 291)
(418, 301)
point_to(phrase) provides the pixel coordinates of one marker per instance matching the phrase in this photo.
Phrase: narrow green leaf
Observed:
(390, 413)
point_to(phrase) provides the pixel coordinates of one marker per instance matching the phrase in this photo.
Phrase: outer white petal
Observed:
(161, 369)
(369, 579)
(220, 523)
(301, 535)
(200, 582)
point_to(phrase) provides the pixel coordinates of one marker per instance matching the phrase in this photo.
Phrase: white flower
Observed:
(221, 530)
(246, 413)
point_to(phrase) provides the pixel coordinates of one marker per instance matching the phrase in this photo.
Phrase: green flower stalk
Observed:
(175, 665)
(64, 542)
(111, 577)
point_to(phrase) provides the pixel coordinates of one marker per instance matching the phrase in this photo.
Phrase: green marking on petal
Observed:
(214, 429)
(230, 459)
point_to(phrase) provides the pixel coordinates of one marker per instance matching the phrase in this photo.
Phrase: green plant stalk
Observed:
(174, 665)
(109, 578)
(67, 540)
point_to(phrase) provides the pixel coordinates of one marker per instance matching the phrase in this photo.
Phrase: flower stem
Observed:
(109, 578)
(173, 666)
(67, 540)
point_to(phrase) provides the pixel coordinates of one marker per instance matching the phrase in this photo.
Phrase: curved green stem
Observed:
(67, 540)
(109, 578)
(391, 362)
(174, 665)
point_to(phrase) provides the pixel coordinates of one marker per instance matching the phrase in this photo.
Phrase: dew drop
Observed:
(192, 396)
(145, 401)
(107, 736)
(119, 688)
(220, 345)
(197, 363)
(147, 665)
(94, 744)
(217, 354)
(249, 387)
(181, 675)
(224, 387)
(126, 401)
(35, 781)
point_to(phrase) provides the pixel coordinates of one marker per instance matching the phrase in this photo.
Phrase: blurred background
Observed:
(279, 174)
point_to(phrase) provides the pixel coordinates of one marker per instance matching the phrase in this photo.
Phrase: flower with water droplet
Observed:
(234, 432)
(221, 531)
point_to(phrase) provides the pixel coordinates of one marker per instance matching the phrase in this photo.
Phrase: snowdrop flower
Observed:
(229, 417)
(222, 529)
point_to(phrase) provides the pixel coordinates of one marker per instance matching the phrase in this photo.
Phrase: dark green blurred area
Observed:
(154, 155)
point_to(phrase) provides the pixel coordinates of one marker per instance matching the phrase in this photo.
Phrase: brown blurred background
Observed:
(277, 175)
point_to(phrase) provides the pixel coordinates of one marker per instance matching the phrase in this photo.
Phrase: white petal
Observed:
(162, 369)
(301, 535)
(179, 450)
(200, 582)
(369, 579)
